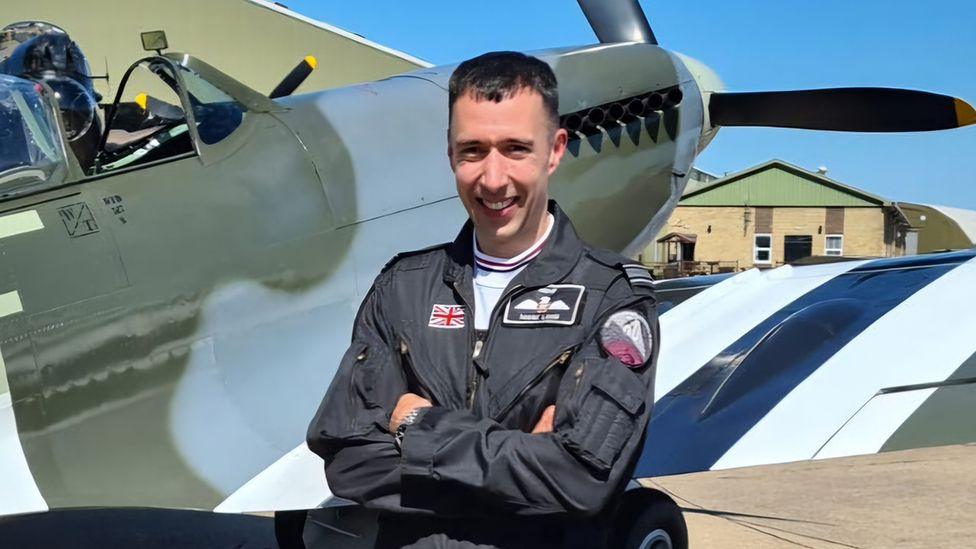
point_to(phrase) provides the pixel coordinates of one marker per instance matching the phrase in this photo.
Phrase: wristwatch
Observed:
(408, 420)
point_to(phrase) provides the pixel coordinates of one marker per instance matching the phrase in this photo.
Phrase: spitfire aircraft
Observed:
(181, 265)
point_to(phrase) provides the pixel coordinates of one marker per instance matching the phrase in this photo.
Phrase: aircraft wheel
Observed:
(654, 522)
(288, 527)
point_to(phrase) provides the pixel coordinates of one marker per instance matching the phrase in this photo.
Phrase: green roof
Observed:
(778, 183)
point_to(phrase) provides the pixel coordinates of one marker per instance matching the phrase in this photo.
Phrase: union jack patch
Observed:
(446, 316)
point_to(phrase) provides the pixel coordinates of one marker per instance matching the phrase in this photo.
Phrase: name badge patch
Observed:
(556, 304)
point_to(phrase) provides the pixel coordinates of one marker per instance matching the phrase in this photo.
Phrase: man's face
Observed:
(502, 155)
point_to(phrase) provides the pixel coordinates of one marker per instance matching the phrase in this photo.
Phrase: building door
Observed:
(797, 247)
(687, 251)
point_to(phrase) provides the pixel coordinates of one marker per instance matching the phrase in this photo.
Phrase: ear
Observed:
(450, 149)
(559, 141)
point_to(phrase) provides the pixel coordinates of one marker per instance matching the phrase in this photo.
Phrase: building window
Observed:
(834, 244)
(762, 250)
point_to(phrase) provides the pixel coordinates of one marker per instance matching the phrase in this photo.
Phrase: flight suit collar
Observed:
(557, 258)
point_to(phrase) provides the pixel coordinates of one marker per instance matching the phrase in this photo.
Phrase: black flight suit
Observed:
(470, 469)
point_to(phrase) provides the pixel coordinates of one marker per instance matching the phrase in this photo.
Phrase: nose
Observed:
(493, 176)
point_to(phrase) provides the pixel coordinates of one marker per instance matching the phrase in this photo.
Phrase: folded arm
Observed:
(453, 460)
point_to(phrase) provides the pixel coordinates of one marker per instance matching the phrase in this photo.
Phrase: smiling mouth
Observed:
(497, 206)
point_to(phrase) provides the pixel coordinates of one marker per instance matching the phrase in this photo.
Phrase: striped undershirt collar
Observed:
(503, 265)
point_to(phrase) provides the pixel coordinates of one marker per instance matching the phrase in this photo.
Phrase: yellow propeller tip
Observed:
(312, 62)
(965, 114)
(142, 100)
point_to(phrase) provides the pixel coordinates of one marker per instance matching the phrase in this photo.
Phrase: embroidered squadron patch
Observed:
(446, 316)
(556, 304)
(627, 336)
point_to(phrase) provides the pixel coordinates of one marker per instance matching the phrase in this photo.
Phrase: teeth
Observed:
(499, 205)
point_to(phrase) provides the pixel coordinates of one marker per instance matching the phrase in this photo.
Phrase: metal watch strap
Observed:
(407, 421)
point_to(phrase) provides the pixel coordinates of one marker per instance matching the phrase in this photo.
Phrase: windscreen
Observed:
(30, 150)
(15, 34)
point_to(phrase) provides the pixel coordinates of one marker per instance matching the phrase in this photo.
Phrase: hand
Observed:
(407, 403)
(544, 424)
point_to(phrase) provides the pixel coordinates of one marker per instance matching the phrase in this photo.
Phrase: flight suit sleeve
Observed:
(451, 457)
(350, 429)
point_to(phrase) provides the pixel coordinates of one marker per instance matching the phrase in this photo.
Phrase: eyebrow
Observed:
(468, 143)
(475, 142)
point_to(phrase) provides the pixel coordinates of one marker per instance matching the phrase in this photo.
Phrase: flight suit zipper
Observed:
(558, 361)
(473, 384)
(484, 341)
(478, 343)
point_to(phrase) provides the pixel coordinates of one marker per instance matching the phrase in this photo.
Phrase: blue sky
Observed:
(753, 45)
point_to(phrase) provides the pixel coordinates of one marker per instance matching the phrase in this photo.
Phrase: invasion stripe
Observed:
(919, 341)
(870, 427)
(923, 340)
(294, 482)
(697, 329)
(20, 493)
(949, 410)
(899, 349)
(703, 417)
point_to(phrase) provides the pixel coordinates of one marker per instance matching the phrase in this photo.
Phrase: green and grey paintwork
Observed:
(179, 351)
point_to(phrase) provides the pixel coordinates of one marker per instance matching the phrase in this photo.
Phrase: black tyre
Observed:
(288, 528)
(653, 522)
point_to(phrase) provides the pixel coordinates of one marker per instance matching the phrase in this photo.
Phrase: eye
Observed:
(470, 153)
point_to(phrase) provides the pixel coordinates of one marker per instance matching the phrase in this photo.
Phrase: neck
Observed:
(512, 247)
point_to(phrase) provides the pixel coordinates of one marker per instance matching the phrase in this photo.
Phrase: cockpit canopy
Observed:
(31, 152)
(45, 53)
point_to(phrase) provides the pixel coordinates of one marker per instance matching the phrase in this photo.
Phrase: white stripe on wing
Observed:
(20, 493)
(698, 329)
(924, 339)
(294, 482)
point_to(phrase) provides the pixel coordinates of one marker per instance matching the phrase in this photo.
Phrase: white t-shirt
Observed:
(492, 275)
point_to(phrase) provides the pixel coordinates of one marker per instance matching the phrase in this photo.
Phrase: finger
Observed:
(544, 425)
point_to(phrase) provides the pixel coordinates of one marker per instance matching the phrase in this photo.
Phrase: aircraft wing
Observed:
(814, 362)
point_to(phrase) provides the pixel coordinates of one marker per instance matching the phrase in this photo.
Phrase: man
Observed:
(497, 388)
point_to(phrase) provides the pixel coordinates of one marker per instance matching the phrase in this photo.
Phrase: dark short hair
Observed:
(499, 75)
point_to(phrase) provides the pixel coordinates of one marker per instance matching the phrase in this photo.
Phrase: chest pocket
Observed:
(604, 412)
(376, 382)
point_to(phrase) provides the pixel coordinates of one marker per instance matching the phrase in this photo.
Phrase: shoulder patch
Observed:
(414, 259)
(638, 275)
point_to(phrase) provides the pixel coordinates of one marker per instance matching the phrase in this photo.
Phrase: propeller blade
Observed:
(617, 21)
(294, 78)
(842, 109)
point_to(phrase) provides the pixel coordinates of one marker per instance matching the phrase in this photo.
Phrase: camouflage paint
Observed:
(950, 408)
(168, 354)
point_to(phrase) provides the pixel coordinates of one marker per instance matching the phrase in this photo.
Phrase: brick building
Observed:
(772, 214)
